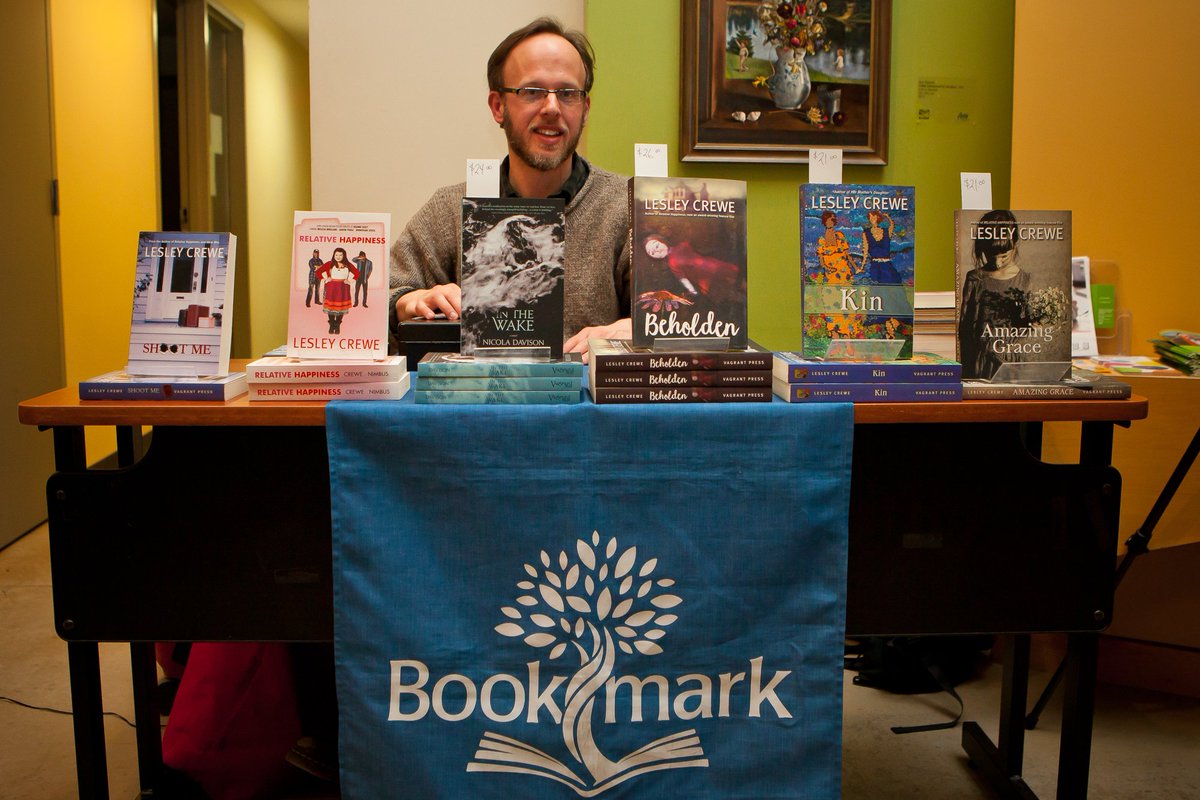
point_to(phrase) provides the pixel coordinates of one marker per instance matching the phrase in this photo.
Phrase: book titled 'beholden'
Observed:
(688, 252)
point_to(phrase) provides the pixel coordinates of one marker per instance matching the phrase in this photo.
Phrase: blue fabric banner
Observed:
(590, 601)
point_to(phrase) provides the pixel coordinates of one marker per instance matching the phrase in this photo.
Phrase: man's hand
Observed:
(445, 299)
(621, 329)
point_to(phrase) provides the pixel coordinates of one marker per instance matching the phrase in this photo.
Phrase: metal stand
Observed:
(1135, 545)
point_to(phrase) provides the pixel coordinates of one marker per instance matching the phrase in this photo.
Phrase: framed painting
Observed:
(767, 81)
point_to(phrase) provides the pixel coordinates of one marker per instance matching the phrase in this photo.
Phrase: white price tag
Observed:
(650, 160)
(977, 191)
(824, 165)
(483, 177)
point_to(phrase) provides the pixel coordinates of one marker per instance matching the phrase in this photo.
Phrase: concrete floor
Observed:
(1145, 745)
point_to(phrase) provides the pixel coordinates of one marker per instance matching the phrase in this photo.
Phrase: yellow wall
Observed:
(106, 149)
(1106, 122)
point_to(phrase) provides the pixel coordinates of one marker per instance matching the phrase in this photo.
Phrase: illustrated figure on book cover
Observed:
(332, 311)
(334, 276)
(858, 270)
(1014, 279)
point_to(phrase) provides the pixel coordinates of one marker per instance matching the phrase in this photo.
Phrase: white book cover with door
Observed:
(182, 304)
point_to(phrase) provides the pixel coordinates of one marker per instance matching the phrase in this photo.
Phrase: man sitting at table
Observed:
(539, 78)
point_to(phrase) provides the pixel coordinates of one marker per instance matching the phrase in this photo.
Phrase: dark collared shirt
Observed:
(575, 181)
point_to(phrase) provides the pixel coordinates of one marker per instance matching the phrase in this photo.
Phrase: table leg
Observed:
(1079, 705)
(145, 709)
(91, 760)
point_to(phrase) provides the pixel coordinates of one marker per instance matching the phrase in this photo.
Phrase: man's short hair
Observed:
(495, 65)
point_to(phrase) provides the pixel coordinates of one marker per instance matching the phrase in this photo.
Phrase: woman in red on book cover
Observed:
(335, 278)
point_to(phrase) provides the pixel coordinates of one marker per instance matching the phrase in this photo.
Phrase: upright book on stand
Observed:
(337, 299)
(858, 271)
(513, 263)
(182, 304)
(688, 251)
(1013, 292)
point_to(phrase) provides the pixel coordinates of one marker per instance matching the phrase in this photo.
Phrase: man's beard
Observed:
(539, 161)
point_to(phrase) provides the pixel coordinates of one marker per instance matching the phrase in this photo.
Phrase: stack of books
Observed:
(121, 385)
(934, 330)
(924, 377)
(454, 378)
(623, 373)
(1180, 349)
(281, 378)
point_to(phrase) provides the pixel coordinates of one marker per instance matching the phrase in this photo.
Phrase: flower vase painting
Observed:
(767, 81)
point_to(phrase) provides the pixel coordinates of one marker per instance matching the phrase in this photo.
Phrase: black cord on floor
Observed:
(61, 711)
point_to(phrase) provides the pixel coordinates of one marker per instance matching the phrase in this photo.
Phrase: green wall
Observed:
(636, 98)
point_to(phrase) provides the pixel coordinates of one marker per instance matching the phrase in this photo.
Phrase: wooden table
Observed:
(220, 530)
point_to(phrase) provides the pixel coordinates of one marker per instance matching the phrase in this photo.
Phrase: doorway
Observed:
(202, 133)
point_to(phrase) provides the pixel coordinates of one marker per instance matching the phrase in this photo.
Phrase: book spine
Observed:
(122, 391)
(393, 390)
(866, 372)
(1000, 391)
(683, 378)
(457, 384)
(464, 369)
(704, 394)
(214, 391)
(299, 373)
(681, 361)
(868, 392)
(483, 397)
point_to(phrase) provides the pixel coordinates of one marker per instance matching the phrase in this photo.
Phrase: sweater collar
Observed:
(574, 182)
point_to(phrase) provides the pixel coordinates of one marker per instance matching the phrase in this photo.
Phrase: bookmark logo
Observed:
(587, 611)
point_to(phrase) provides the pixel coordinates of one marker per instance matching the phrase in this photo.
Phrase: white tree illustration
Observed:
(592, 607)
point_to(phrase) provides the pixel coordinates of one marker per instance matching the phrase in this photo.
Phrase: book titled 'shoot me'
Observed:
(688, 252)
(857, 271)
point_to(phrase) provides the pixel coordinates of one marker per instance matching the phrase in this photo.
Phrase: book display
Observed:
(857, 270)
(283, 378)
(120, 385)
(335, 310)
(688, 256)
(460, 379)
(624, 373)
(1013, 290)
(513, 263)
(922, 378)
(1081, 384)
(182, 304)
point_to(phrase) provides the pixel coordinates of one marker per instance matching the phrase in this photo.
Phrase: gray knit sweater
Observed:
(597, 249)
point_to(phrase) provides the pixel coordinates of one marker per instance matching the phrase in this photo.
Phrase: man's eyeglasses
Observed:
(533, 95)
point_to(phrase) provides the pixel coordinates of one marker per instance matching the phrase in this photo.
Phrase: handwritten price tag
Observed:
(650, 160)
(483, 177)
(824, 166)
(977, 190)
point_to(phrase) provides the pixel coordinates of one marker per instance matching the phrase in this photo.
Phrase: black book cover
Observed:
(513, 256)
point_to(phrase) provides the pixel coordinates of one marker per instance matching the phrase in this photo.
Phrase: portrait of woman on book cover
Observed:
(1010, 313)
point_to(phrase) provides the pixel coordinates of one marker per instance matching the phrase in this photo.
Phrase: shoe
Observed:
(308, 755)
